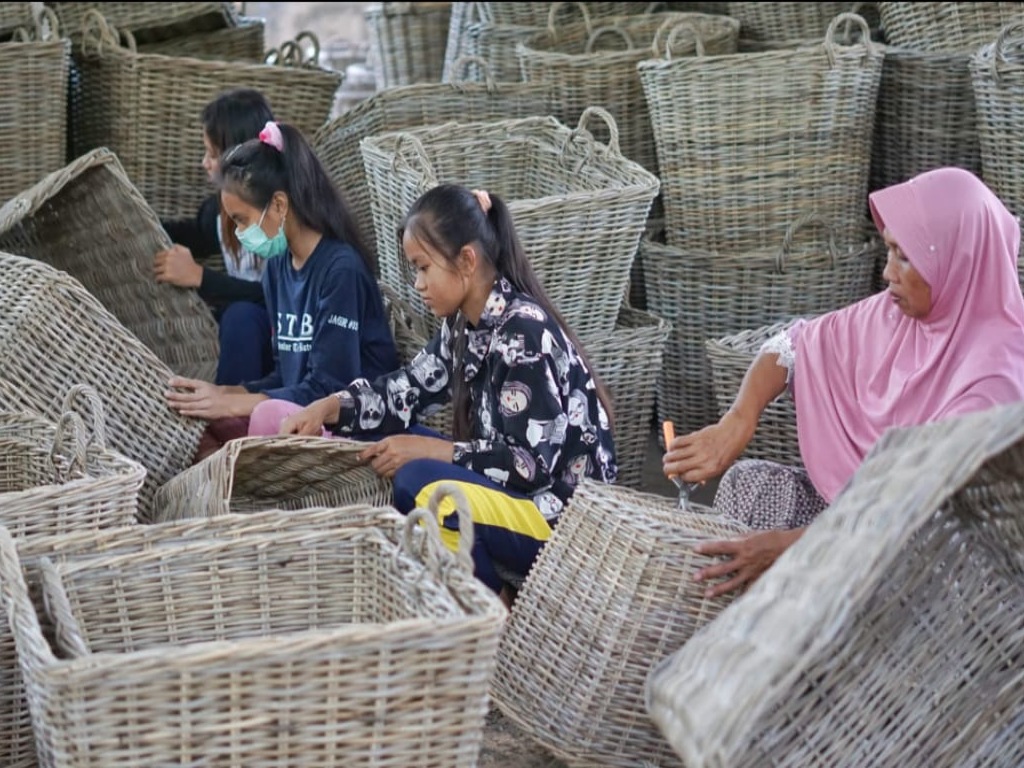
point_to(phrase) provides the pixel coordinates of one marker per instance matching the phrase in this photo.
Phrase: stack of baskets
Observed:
(764, 160)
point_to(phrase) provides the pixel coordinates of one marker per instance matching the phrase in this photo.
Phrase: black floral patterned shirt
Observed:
(538, 425)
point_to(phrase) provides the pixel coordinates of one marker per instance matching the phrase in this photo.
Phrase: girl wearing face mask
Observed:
(329, 324)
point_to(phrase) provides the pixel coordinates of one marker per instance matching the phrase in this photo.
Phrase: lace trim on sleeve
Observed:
(780, 344)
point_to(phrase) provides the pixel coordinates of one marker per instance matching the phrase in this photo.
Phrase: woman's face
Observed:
(442, 288)
(908, 289)
(211, 157)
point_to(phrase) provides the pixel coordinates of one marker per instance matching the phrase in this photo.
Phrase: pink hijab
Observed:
(868, 367)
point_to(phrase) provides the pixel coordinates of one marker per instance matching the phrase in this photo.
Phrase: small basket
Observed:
(611, 593)
(17, 743)
(147, 108)
(706, 295)
(595, 64)
(35, 67)
(401, 108)
(115, 234)
(251, 474)
(729, 359)
(54, 332)
(579, 206)
(346, 648)
(246, 42)
(746, 143)
(945, 27)
(407, 41)
(150, 22)
(925, 116)
(906, 592)
(628, 361)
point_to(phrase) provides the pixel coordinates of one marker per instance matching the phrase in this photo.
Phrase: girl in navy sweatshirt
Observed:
(326, 310)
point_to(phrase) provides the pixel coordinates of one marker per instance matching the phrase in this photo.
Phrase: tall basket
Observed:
(407, 41)
(906, 592)
(579, 206)
(115, 234)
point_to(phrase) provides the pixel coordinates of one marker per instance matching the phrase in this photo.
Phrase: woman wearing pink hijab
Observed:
(945, 339)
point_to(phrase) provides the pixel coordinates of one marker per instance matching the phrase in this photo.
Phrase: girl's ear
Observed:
(280, 203)
(467, 261)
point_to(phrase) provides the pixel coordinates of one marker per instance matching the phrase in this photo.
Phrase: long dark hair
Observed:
(448, 218)
(235, 116)
(255, 170)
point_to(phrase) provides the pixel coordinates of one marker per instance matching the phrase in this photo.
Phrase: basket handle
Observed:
(608, 30)
(801, 221)
(553, 14)
(429, 516)
(22, 617)
(402, 159)
(461, 63)
(58, 608)
(830, 34)
(97, 421)
(672, 26)
(70, 429)
(314, 47)
(46, 28)
(613, 128)
(1009, 40)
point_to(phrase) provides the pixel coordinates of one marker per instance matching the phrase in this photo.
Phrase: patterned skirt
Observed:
(765, 495)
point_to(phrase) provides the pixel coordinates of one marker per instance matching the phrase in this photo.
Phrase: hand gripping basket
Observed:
(17, 744)
(945, 27)
(705, 295)
(889, 634)
(146, 108)
(729, 358)
(407, 41)
(90, 221)
(748, 142)
(594, 63)
(34, 67)
(609, 595)
(292, 649)
(404, 107)
(250, 474)
(579, 206)
(53, 333)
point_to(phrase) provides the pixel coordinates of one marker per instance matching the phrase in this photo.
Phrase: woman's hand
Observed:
(707, 453)
(311, 419)
(201, 400)
(751, 556)
(389, 455)
(177, 267)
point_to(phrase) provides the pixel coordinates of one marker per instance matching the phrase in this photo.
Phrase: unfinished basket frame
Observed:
(904, 593)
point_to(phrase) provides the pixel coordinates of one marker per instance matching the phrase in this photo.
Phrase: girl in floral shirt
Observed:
(531, 419)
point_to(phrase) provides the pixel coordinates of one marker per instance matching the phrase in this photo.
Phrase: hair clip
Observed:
(271, 134)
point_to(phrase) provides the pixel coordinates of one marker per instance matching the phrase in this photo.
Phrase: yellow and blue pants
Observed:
(509, 529)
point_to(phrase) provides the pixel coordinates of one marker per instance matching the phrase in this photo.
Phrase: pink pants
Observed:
(266, 418)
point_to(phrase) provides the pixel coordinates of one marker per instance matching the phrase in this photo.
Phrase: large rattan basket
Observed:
(944, 26)
(889, 634)
(407, 41)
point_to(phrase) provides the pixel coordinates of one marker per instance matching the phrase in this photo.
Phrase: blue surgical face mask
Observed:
(255, 240)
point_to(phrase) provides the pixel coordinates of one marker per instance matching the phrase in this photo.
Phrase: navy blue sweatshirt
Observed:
(329, 324)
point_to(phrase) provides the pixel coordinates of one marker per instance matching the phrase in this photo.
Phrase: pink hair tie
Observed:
(271, 134)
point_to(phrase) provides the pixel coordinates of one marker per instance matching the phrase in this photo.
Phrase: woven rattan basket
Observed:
(594, 63)
(997, 76)
(769, 22)
(34, 101)
(705, 295)
(347, 649)
(400, 108)
(579, 206)
(14, 16)
(150, 22)
(17, 744)
(729, 358)
(926, 116)
(288, 472)
(245, 42)
(146, 108)
(746, 143)
(90, 221)
(945, 26)
(470, 35)
(609, 595)
(889, 634)
(54, 333)
(407, 41)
